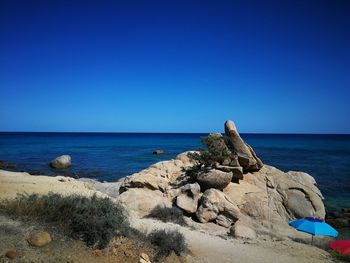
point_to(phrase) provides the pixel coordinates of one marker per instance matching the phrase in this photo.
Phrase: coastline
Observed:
(204, 247)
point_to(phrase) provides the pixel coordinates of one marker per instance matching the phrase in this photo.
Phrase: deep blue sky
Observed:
(175, 66)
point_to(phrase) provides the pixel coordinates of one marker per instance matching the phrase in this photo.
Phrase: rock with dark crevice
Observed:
(246, 155)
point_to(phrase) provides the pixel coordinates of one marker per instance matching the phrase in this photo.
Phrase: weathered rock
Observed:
(158, 151)
(273, 194)
(183, 157)
(214, 202)
(144, 180)
(188, 199)
(246, 156)
(61, 162)
(11, 254)
(241, 230)
(212, 178)
(223, 221)
(142, 200)
(169, 170)
(39, 239)
(237, 172)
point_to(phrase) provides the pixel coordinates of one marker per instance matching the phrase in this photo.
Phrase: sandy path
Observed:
(205, 248)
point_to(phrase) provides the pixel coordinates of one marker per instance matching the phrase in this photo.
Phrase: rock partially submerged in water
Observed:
(61, 162)
(159, 151)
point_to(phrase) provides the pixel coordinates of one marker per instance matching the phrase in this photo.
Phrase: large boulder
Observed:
(271, 194)
(61, 162)
(213, 203)
(212, 178)
(246, 156)
(188, 198)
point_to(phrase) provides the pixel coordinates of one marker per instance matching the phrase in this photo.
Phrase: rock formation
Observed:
(239, 192)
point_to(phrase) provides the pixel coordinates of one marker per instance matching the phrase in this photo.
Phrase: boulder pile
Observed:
(237, 192)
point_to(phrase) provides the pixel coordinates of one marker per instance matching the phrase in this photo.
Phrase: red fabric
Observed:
(341, 246)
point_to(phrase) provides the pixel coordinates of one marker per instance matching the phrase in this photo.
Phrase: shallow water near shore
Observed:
(110, 156)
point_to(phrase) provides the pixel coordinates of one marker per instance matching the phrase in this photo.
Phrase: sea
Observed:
(110, 156)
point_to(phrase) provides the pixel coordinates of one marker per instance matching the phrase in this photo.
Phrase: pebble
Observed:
(39, 239)
(11, 254)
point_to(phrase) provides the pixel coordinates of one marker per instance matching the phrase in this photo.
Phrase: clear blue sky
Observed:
(175, 66)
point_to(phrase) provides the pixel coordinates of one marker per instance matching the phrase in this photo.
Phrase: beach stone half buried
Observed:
(61, 162)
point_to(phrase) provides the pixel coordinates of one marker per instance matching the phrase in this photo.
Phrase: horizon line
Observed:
(104, 132)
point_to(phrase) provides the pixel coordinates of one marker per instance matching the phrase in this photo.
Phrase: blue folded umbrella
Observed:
(313, 226)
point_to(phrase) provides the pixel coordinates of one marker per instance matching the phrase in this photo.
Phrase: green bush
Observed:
(216, 151)
(94, 220)
(168, 214)
(168, 241)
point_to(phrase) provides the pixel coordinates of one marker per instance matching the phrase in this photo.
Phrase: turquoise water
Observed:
(109, 156)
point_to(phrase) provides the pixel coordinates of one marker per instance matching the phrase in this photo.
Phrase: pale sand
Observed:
(203, 247)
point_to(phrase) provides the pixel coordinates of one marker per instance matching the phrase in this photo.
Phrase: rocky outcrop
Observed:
(238, 192)
(246, 156)
(61, 162)
(212, 178)
(273, 194)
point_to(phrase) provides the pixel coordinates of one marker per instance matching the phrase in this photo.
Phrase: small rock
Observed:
(98, 253)
(158, 151)
(39, 239)
(61, 162)
(11, 254)
(144, 258)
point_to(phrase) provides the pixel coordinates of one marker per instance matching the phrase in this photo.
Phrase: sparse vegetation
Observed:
(166, 214)
(340, 257)
(168, 241)
(94, 220)
(216, 151)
